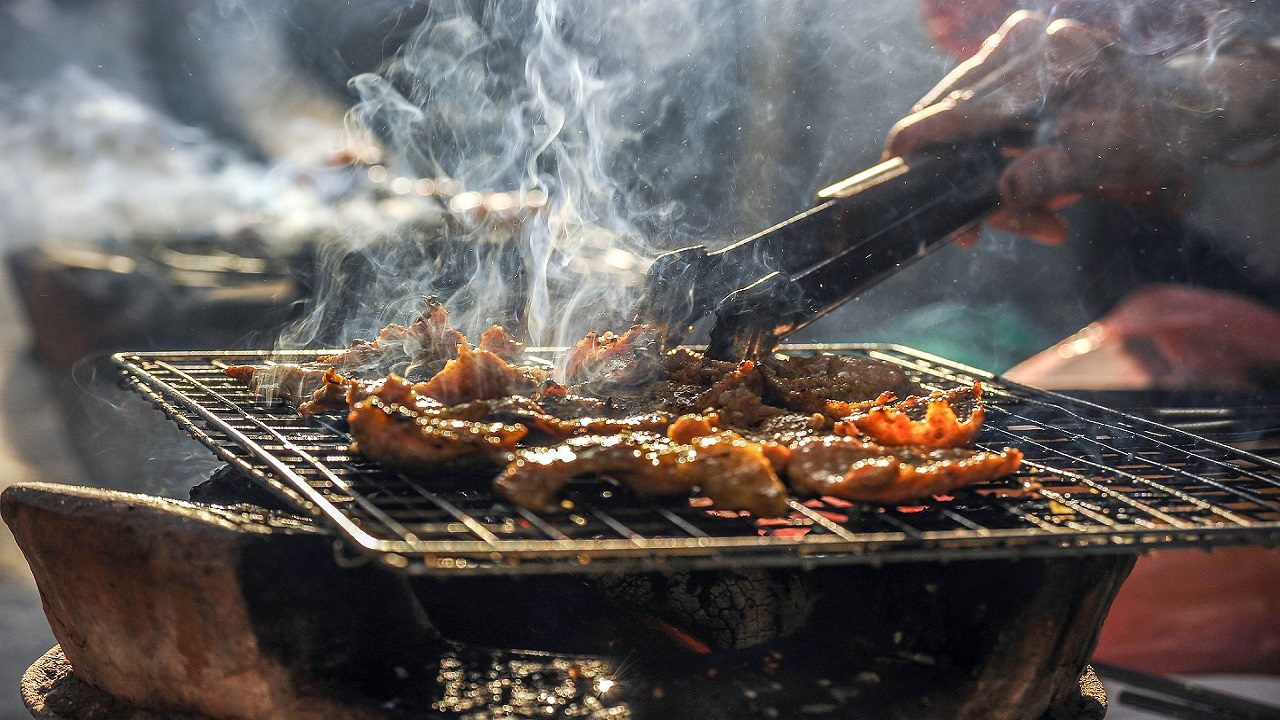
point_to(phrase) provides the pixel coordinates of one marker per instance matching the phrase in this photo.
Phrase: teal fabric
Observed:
(993, 338)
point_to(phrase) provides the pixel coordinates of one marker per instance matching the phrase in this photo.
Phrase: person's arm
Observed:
(1111, 122)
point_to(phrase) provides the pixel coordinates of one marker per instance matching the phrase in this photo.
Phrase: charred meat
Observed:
(631, 358)
(731, 471)
(295, 384)
(428, 340)
(855, 470)
(407, 431)
(479, 375)
(656, 423)
(939, 427)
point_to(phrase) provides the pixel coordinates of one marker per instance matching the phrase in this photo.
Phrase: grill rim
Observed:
(837, 545)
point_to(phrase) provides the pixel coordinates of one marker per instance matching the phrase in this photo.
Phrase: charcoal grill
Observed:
(1094, 481)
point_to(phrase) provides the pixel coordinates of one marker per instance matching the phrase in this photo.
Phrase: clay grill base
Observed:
(239, 613)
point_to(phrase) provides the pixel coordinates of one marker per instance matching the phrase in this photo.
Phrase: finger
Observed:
(1018, 34)
(1020, 79)
(1038, 224)
(1061, 58)
(1061, 201)
(1041, 175)
(969, 237)
(946, 122)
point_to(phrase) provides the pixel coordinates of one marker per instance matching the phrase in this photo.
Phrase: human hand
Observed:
(1165, 336)
(1113, 123)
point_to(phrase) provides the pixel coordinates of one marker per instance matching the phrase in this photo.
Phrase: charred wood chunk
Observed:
(714, 611)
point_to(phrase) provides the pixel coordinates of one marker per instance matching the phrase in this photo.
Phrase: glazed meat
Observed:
(658, 423)
(644, 461)
(849, 468)
(330, 397)
(479, 375)
(508, 409)
(422, 348)
(614, 360)
(939, 427)
(731, 471)
(497, 341)
(429, 340)
(407, 431)
(294, 384)
(830, 384)
(736, 474)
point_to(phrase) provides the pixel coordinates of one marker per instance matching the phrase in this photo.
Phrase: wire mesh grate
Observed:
(1093, 481)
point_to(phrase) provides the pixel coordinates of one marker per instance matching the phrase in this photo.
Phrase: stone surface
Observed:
(52, 691)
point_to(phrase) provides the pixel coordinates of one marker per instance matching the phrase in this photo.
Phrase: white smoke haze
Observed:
(620, 114)
(86, 163)
(549, 99)
(646, 125)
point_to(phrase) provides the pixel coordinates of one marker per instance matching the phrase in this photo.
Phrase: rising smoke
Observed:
(647, 125)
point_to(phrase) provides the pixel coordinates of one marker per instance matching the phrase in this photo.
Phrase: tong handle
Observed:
(870, 226)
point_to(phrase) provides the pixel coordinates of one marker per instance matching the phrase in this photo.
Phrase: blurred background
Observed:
(178, 174)
(174, 175)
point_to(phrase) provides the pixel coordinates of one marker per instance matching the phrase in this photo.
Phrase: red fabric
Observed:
(1197, 338)
(958, 27)
(1190, 611)
(1167, 336)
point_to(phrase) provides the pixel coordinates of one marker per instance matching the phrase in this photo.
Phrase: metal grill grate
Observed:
(1105, 482)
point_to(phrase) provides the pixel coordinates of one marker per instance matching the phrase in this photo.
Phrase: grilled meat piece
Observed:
(535, 478)
(551, 427)
(789, 428)
(656, 396)
(733, 472)
(940, 427)
(736, 396)
(560, 402)
(568, 427)
(292, 383)
(510, 409)
(427, 341)
(736, 474)
(687, 428)
(818, 384)
(865, 472)
(330, 397)
(479, 375)
(631, 358)
(497, 341)
(413, 438)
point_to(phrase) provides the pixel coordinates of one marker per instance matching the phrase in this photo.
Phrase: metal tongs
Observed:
(864, 229)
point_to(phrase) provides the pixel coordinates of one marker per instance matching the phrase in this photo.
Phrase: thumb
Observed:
(1042, 173)
(1038, 224)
